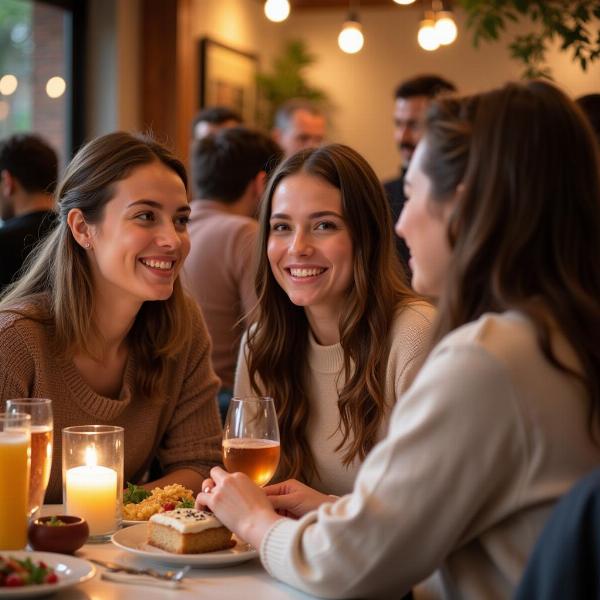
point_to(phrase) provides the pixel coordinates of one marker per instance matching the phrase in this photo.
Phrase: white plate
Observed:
(70, 571)
(133, 539)
(128, 522)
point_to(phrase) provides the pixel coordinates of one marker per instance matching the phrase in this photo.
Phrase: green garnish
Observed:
(54, 521)
(186, 503)
(134, 494)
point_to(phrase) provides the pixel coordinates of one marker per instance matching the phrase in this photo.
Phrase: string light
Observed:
(8, 84)
(277, 10)
(445, 27)
(427, 36)
(351, 39)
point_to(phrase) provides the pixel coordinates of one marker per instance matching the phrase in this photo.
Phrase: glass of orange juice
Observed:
(251, 438)
(15, 447)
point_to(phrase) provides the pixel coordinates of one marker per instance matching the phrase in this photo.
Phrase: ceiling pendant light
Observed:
(351, 39)
(427, 36)
(277, 10)
(445, 27)
(404, 2)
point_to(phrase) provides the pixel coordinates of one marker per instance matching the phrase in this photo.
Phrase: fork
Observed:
(166, 575)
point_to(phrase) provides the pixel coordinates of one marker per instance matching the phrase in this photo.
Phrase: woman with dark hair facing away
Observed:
(503, 416)
(338, 334)
(99, 322)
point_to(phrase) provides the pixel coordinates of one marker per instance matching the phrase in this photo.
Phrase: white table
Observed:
(245, 581)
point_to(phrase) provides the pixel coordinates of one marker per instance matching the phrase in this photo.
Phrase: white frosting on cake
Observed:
(187, 520)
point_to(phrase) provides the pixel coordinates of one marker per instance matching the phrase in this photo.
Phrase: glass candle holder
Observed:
(92, 473)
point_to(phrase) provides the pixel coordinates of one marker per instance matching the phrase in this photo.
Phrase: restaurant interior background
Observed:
(135, 64)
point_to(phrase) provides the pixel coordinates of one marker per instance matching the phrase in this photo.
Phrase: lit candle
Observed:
(92, 494)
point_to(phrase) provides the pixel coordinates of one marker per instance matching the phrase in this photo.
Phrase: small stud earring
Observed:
(87, 245)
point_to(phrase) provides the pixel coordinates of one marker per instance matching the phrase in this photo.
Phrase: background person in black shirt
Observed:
(28, 174)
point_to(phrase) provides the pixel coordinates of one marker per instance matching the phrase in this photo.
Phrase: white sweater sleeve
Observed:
(449, 467)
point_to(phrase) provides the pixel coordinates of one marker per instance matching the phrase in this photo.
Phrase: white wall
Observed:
(361, 86)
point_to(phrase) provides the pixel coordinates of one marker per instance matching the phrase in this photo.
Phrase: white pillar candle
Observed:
(92, 494)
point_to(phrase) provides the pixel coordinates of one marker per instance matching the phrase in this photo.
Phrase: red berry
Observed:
(43, 565)
(169, 506)
(14, 580)
(51, 578)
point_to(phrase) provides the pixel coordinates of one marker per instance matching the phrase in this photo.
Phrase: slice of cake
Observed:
(188, 531)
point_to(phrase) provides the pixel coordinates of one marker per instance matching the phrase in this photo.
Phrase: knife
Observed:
(167, 575)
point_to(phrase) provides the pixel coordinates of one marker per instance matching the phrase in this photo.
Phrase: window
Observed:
(37, 86)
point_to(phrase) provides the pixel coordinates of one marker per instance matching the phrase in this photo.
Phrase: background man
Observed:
(212, 119)
(229, 175)
(299, 124)
(28, 174)
(413, 96)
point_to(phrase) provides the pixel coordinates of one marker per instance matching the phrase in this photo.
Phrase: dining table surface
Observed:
(245, 581)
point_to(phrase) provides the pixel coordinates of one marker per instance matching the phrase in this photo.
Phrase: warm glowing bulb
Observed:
(277, 10)
(445, 28)
(8, 85)
(427, 36)
(351, 39)
(404, 2)
(56, 87)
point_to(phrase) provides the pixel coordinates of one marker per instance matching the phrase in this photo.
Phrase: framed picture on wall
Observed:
(228, 78)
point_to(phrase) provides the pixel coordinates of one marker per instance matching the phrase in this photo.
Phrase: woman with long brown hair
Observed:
(504, 415)
(99, 322)
(338, 334)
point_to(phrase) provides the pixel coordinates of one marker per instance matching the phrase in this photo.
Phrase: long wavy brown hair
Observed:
(58, 275)
(526, 229)
(277, 350)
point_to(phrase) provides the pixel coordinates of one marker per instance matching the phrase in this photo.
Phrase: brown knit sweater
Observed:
(182, 429)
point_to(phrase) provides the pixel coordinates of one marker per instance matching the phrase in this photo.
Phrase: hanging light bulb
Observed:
(351, 38)
(404, 2)
(427, 36)
(445, 27)
(277, 10)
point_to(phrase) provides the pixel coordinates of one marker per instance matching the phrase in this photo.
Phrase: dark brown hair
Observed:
(526, 229)
(278, 345)
(58, 272)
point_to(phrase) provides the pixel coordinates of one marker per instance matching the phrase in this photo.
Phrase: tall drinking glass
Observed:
(40, 410)
(251, 438)
(15, 440)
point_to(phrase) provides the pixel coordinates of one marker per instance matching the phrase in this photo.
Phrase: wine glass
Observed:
(251, 438)
(40, 410)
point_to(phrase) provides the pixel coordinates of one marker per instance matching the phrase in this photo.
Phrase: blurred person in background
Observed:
(212, 119)
(412, 98)
(28, 174)
(230, 170)
(299, 125)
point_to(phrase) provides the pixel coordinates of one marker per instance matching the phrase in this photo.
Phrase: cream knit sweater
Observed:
(409, 344)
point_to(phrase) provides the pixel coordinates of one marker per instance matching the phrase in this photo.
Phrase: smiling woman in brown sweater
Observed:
(99, 323)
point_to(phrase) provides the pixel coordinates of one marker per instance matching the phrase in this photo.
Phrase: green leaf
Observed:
(134, 494)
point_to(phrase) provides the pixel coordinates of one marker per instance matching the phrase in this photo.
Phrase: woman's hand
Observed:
(239, 504)
(294, 499)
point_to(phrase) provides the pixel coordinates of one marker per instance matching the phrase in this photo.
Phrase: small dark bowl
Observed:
(64, 539)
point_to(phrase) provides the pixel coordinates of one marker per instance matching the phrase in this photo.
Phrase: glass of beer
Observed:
(40, 410)
(251, 438)
(15, 429)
